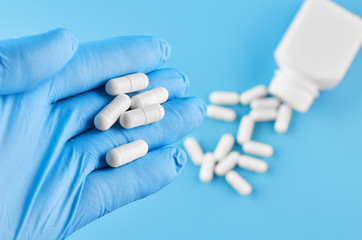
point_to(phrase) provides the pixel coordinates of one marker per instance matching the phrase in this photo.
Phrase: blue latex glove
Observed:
(53, 175)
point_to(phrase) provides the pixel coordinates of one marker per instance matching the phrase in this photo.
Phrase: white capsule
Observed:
(264, 114)
(224, 146)
(126, 153)
(207, 168)
(227, 163)
(271, 102)
(238, 183)
(142, 116)
(283, 118)
(157, 95)
(256, 92)
(258, 149)
(246, 129)
(126, 84)
(194, 150)
(110, 113)
(224, 98)
(220, 113)
(252, 164)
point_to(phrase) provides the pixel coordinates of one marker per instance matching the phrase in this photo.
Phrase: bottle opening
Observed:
(295, 90)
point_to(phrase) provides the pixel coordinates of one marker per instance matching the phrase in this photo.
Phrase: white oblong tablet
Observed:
(194, 150)
(252, 164)
(264, 114)
(227, 163)
(282, 121)
(224, 146)
(220, 113)
(126, 153)
(207, 168)
(238, 183)
(224, 98)
(271, 102)
(110, 113)
(246, 129)
(126, 84)
(157, 95)
(256, 92)
(258, 149)
(142, 116)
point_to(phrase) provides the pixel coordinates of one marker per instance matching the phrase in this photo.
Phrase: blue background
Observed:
(313, 189)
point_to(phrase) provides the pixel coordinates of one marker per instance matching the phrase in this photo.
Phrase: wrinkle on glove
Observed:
(24, 62)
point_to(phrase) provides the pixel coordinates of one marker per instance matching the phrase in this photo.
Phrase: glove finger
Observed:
(81, 109)
(182, 115)
(26, 61)
(108, 189)
(96, 62)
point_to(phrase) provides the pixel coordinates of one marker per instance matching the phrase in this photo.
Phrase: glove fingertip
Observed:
(186, 81)
(65, 36)
(180, 159)
(166, 50)
(201, 106)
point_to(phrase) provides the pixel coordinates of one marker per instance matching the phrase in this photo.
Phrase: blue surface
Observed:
(314, 187)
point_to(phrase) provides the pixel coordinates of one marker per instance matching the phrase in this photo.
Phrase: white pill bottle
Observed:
(315, 52)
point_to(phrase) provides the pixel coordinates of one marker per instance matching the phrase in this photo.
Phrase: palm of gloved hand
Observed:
(53, 175)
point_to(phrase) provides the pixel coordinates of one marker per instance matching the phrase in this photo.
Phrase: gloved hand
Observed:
(53, 174)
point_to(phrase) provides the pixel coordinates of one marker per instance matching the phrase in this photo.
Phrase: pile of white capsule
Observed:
(141, 109)
(222, 161)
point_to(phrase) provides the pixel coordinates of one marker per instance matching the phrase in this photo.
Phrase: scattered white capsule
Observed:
(126, 84)
(207, 168)
(224, 98)
(126, 153)
(157, 95)
(264, 114)
(220, 113)
(224, 146)
(283, 118)
(142, 116)
(246, 129)
(110, 113)
(271, 102)
(238, 183)
(258, 149)
(194, 150)
(252, 164)
(256, 92)
(227, 163)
